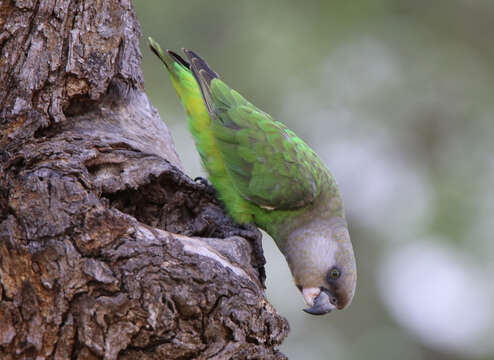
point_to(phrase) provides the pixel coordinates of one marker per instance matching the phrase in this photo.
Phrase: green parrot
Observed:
(267, 175)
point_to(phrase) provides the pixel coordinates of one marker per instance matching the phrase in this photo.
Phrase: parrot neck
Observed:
(307, 239)
(320, 216)
(327, 212)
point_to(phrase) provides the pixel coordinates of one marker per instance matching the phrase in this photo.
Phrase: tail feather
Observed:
(164, 57)
(168, 57)
(200, 67)
(178, 58)
(203, 75)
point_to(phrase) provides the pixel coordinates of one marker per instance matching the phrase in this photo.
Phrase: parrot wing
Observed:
(269, 165)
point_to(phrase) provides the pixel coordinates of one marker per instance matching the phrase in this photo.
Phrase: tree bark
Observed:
(107, 249)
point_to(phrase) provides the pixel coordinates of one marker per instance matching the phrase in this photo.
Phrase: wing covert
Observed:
(268, 163)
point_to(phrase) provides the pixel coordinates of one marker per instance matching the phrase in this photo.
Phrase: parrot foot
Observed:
(205, 182)
(202, 181)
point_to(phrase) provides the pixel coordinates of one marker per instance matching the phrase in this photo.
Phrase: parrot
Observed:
(265, 174)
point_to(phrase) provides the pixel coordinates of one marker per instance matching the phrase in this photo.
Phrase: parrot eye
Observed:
(334, 274)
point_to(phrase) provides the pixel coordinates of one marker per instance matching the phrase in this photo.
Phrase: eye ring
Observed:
(334, 274)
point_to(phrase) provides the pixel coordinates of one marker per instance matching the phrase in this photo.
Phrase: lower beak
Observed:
(321, 303)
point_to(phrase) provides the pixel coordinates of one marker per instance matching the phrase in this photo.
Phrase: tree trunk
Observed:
(107, 250)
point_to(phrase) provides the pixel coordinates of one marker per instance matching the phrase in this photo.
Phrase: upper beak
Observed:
(322, 302)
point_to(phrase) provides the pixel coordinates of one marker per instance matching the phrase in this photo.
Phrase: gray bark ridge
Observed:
(107, 250)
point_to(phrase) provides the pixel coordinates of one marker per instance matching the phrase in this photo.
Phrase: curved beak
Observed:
(320, 301)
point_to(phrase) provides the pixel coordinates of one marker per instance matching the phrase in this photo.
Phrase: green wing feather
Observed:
(269, 165)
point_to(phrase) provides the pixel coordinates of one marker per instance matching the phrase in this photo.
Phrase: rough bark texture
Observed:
(107, 250)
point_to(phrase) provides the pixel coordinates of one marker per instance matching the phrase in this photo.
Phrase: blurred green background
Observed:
(397, 97)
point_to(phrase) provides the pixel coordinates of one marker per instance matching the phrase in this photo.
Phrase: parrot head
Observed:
(320, 257)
